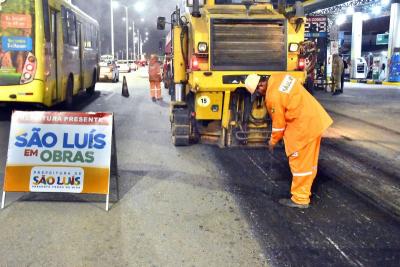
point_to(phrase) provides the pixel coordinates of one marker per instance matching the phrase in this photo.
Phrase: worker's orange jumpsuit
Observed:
(300, 120)
(155, 79)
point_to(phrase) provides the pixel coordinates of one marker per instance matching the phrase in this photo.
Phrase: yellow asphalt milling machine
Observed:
(216, 45)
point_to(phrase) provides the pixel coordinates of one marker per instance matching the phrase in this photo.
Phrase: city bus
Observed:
(49, 52)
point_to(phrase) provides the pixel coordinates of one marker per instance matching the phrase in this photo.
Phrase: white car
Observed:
(133, 65)
(123, 66)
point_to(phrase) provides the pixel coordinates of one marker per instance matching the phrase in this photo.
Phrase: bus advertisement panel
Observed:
(17, 60)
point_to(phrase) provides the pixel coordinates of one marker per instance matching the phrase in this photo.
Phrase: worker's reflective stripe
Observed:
(302, 173)
(277, 130)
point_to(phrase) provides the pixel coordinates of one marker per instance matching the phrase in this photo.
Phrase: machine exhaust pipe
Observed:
(281, 6)
(196, 9)
(299, 9)
(179, 92)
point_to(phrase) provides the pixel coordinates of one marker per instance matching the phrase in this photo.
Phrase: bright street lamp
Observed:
(140, 6)
(376, 10)
(350, 10)
(341, 19)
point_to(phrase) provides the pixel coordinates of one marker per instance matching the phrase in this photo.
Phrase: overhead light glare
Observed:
(140, 6)
(350, 10)
(341, 19)
(377, 10)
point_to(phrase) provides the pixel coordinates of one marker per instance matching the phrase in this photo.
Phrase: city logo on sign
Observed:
(56, 179)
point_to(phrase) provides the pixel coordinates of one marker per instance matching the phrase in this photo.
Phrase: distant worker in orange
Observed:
(300, 120)
(155, 78)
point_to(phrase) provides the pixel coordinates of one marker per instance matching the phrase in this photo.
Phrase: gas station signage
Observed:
(316, 27)
(382, 39)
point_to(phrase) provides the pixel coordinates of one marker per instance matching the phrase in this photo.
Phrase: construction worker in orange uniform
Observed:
(300, 120)
(155, 78)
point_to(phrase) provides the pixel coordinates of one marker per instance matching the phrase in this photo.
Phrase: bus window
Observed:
(46, 20)
(88, 36)
(17, 42)
(227, 2)
(65, 24)
(71, 24)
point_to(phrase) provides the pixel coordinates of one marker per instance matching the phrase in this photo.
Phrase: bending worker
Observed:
(300, 120)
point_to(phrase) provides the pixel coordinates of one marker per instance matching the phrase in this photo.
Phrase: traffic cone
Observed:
(125, 91)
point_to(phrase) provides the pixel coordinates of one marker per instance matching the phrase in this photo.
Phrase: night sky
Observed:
(100, 10)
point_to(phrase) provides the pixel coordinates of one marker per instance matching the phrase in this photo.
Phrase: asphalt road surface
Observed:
(191, 206)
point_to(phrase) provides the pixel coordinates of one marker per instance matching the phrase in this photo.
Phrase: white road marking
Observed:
(262, 170)
(356, 263)
(109, 96)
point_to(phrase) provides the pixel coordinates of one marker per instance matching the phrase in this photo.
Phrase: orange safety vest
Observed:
(155, 72)
(297, 117)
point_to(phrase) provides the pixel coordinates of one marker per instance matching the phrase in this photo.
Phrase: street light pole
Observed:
(140, 54)
(141, 45)
(127, 31)
(133, 40)
(112, 28)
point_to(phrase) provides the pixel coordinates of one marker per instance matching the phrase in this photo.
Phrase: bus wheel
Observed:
(69, 100)
(90, 90)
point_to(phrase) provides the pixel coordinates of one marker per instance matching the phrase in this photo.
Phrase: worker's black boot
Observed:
(289, 203)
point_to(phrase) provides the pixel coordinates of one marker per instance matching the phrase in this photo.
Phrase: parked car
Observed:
(123, 66)
(109, 71)
(132, 65)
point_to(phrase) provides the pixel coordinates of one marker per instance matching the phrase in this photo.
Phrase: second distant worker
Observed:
(155, 78)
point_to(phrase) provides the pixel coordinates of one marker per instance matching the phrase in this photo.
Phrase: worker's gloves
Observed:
(271, 146)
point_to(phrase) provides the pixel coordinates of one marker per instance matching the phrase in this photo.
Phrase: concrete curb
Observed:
(392, 83)
(365, 81)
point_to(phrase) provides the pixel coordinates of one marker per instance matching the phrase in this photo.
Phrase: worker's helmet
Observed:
(251, 82)
(154, 57)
